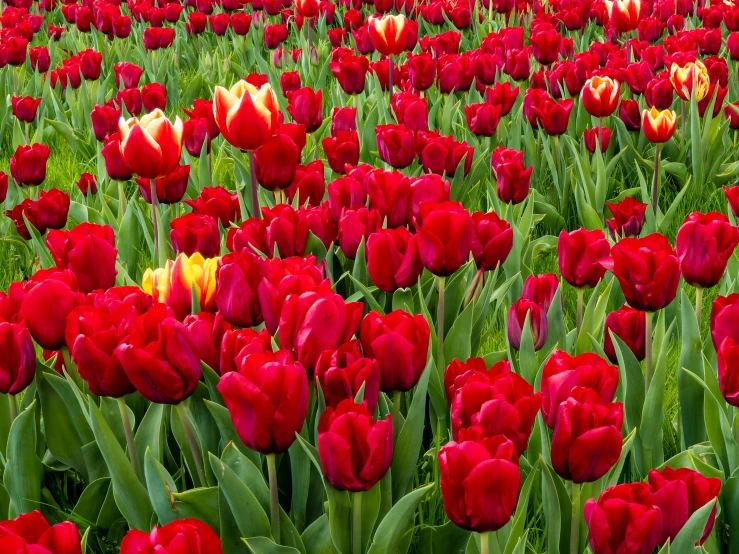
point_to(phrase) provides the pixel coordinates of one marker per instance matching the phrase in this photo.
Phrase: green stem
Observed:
(274, 499)
(192, 441)
(698, 305)
(13, 402)
(357, 524)
(132, 454)
(440, 283)
(256, 212)
(655, 181)
(154, 219)
(485, 543)
(575, 523)
(580, 302)
(648, 350)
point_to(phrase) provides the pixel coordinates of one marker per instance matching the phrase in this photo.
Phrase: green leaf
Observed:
(519, 519)
(261, 545)
(693, 529)
(227, 430)
(557, 511)
(130, 495)
(23, 474)
(317, 537)
(458, 341)
(394, 529)
(149, 433)
(690, 393)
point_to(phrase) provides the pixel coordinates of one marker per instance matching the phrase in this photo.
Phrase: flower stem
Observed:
(655, 181)
(698, 306)
(255, 212)
(580, 302)
(485, 543)
(440, 284)
(575, 523)
(357, 524)
(155, 223)
(132, 454)
(274, 499)
(13, 407)
(192, 441)
(648, 350)
(397, 396)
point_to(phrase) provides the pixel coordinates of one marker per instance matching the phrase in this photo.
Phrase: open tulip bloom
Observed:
(369, 277)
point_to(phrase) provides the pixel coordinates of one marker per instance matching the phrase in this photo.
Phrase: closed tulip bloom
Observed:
(250, 235)
(306, 107)
(158, 37)
(316, 321)
(127, 74)
(309, 184)
(587, 440)
(399, 342)
(237, 279)
(421, 71)
(170, 188)
(87, 184)
(341, 373)
(494, 403)
(592, 137)
(658, 127)
(492, 240)
(628, 112)
(553, 116)
(25, 107)
(647, 269)
(154, 96)
(267, 397)
(31, 534)
(281, 278)
(350, 71)
(513, 178)
(624, 519)
(18, 366)
(410, 110)
(45, 308)
(537, 320)
(704, 244)
(28, 164)
(276, 162)
(629, 325)
(40, 59)
(679, 493)
(388, 194)
(345, 193)
(545, 45)
(445, 236)
(104, 120)
(391, 34)
(479, 483)
(579, 254)
(246, 115)
(586, 376)
(50, 211)
(724, 313)
(159, 357)
(428, 187)
(342, 150)
(482, 119)
(599, 96)
(689, 79)
(151, 146)
(393, 260)
(624, 15)
(457, 373)
(728, 370)
(396, 145)
(89, 252)
(442, 154)
(355, 225)
(355, 450)
(194, 135)
(130, 98)
(218, 203)
(92, 338)
(236, 344)
(182, 536)
(628, 217)
(503, 95)
(192, 233)
(177, 282)
(115, 164)
(207, 331)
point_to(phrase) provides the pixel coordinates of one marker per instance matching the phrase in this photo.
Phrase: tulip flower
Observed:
(537, 320)
(629, 325)
(692, 78)
(89, 252)
(458, 373)
(127, 74)
(236, 344)
(341, 373)
(355, 450)
(445, 236)
(105, 120)
(679, 493)
(306, 107)
(492, 240)
(479, 484)
(624, 518)
(410, 110)
(315, 321)
(628, 218)
(28, 164)
(628, 112)
(658, 126)
(154, 96)
(151, 146)
(24, 108)
(342, 150)
(276, 162)
(724, 311)
(421, 71)
(87, 184)
(597, 137)
(236, 282)
(728, 370)
(355, 225)
(193, 232)
(50, 211)
(482, 119)
(45, 306)
(393, 260)
(179, 536)
(624, 15)
(501, 94)
(31, 533)
(169, 189)
(179, 281)
(599, 96)
(391, 34)
(18, 366)
(217, 203)
(514, 179)
(350, 72)
(396, 145)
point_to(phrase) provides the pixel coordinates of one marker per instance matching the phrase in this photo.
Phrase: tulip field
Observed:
(369, 277)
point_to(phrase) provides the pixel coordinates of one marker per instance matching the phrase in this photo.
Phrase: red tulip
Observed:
(90, 64)
(342, 373)
(218, 203)
(18, 366)
(152, 146)
(444, 237)
(421, 71)
(391, 35)
(192, 233)
(537, 320)
(306, 107)
(315, 321)
(154, 96)
(276, 162)
(704, 244)
(350, 71)
(587, 377)
(458, 373)
(170, 188)
(479, 483)
(207, 331)
(130, 98)
(24, 107)
(629, 325)
(50, 211)
(624, 519)
(396, 145)
(514, 179)
(679, 493)
(399, 342)
(342, 150)
(647, 270)
(28, 164)
(579, 253)
(728, 370)
(629, 114)
(115, 164)
(87, 184)
(724, 313)
(194, 135)
(237, 279)
(45, 307)
(628, 217)
(410, 110)
(3, 186)
(236, 344)
(158, 37)
(492, 240)
(183, 536)
(159, 357)
(30, 533)
(89, 252)
(355, 450)
(545, 45)
(482, 119)
(246, 115)
(393, 260)
(592, 138)
(443, 155)
(104, 120)
(268, 400)
(354, 226)
(203, 109)
(624, 15)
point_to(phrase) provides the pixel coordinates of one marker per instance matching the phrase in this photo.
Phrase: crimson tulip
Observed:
(306, 107)
(355, 225)
(276, 162)
(31, 533)
(236, 344)
(192, 233)
(393, 260)
(704, 244)
(445, 236)
(341, 150)
(218, 203)
(492, 240)
(579, 254)
(728, 370)
(18, 366)
(629, 325)
(25, 107)
(396, 145)
(537, 320)
(45, 307)
(237, 279)
(28, 164)
(182, 536)
(628, 217)
(246, 115)
(724, 313)
(152, 146)
(50, 211)
(341, 373)
(87, 184)
(104, 120)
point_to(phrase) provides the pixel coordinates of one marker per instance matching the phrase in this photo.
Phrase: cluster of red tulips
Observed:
(367, 297)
